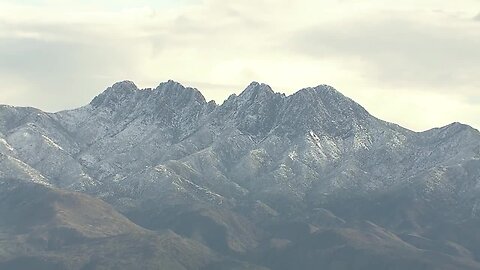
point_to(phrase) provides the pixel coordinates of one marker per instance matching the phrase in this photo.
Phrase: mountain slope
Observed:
(47, 228)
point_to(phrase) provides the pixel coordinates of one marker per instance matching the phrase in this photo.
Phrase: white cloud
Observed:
(387, 55)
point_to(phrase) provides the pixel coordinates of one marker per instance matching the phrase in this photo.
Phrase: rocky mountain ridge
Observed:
(257, 162)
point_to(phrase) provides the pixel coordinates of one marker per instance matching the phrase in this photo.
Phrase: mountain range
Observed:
(163, 179)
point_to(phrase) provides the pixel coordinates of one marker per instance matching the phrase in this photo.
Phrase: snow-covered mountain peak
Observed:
(324, 99)
(175, 92)
(324, 94)
(170, 84)
(255, 90)
(125, 85)
(450, 129)
(326, 89)
(457, 126)
(115, 94)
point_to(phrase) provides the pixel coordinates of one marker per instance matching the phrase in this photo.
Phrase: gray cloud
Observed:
(398, 51)
(473, 99)
(477, 18)
(56, 71)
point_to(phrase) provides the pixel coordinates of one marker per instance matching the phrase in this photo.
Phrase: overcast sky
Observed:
(416, 63)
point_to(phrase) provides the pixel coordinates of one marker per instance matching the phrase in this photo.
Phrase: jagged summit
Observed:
(311, 106)
(253, 93)
(166, 92)
(323, 106)
(124, 85)
(257, 89)
(173, 90)
(452, 127)
(323, 93)
(457, 126)
(328, 89)
(115, 94)
(170, 84)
